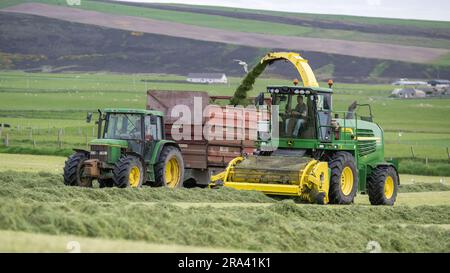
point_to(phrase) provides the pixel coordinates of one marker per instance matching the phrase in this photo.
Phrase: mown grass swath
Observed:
(40, 203)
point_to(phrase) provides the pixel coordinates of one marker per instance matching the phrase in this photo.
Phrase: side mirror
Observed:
(260, 99)
(89, 117)
(336, 115)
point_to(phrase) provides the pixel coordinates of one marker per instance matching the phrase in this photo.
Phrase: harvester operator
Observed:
(296, 118)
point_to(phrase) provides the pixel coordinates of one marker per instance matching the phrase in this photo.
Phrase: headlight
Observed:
(296, 91)
(308, 92)
(103, 153)
(93, 152)
(277, 90)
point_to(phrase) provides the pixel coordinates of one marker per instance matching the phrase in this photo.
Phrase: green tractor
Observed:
(130, 151)
(309, 150)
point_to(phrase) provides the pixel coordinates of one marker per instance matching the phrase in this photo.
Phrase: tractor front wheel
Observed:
(128, 172)
(74, 171)
(382, 186)
(169, 171)
(344, 178)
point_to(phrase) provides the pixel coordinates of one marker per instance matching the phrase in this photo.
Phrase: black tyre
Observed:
(169, 171)
(344, 178)
(74, 171)
(128, 172)
(106, 183)
(382, 186)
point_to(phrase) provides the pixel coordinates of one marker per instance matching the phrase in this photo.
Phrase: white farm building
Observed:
(207, 78)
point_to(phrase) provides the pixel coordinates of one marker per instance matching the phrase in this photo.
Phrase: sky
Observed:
(405, 9)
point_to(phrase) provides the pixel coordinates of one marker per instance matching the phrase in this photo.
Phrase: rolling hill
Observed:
(131, 38)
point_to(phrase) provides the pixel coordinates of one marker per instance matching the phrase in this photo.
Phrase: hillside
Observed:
(118, 44)
(400, 27)
(30, 42)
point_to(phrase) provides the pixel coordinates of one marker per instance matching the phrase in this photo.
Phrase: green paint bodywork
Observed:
(368, 153)
(117, 147)
(111, 142)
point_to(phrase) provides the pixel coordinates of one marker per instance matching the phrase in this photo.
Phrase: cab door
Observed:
(323, 108)
(152, 134)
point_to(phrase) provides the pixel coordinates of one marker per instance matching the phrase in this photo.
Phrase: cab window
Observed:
(153, 128)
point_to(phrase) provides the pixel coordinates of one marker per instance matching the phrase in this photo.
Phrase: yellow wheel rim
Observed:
(347, 181)
(389, 187)
(134, 177)
(172, 174)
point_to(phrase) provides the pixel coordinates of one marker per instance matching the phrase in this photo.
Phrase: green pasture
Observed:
(40, 105)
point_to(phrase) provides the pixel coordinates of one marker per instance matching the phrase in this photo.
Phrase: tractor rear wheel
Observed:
(128, 172)
(382, 186)
(344, 178)
(74, 171)
(169, 171)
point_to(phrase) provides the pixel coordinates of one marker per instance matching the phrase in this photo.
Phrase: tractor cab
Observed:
(131, 130)
(304, 112)
(139, 129)
(130, 151)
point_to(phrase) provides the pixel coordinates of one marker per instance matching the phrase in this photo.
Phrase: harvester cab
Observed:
(304, 113)
(130, 151)
(313, 152)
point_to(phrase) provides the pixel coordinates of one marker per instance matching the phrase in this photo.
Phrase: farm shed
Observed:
(207, 78)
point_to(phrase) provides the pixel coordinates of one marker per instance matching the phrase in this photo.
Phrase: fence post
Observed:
(34, 143)
(31, 133)
(426, 161)
(412, 152)
(1, 130)
(7, 140)
(59, 138)
(448, 154)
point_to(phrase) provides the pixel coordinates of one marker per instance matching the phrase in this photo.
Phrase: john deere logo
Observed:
(290, 142)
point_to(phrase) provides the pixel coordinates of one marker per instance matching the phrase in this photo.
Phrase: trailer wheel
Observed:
(169, 171)
(344, 178)
(128, 172)
(382, 186)
(74, 171)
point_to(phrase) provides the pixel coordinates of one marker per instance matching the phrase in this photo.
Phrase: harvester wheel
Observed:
(128, 172)
(169, 171)
(344, 178)
(382, 186)
(73, 171)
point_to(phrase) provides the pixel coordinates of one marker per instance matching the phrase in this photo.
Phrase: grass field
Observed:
(46, 114)
(16, 241)
(39, 105)
(39, 207)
